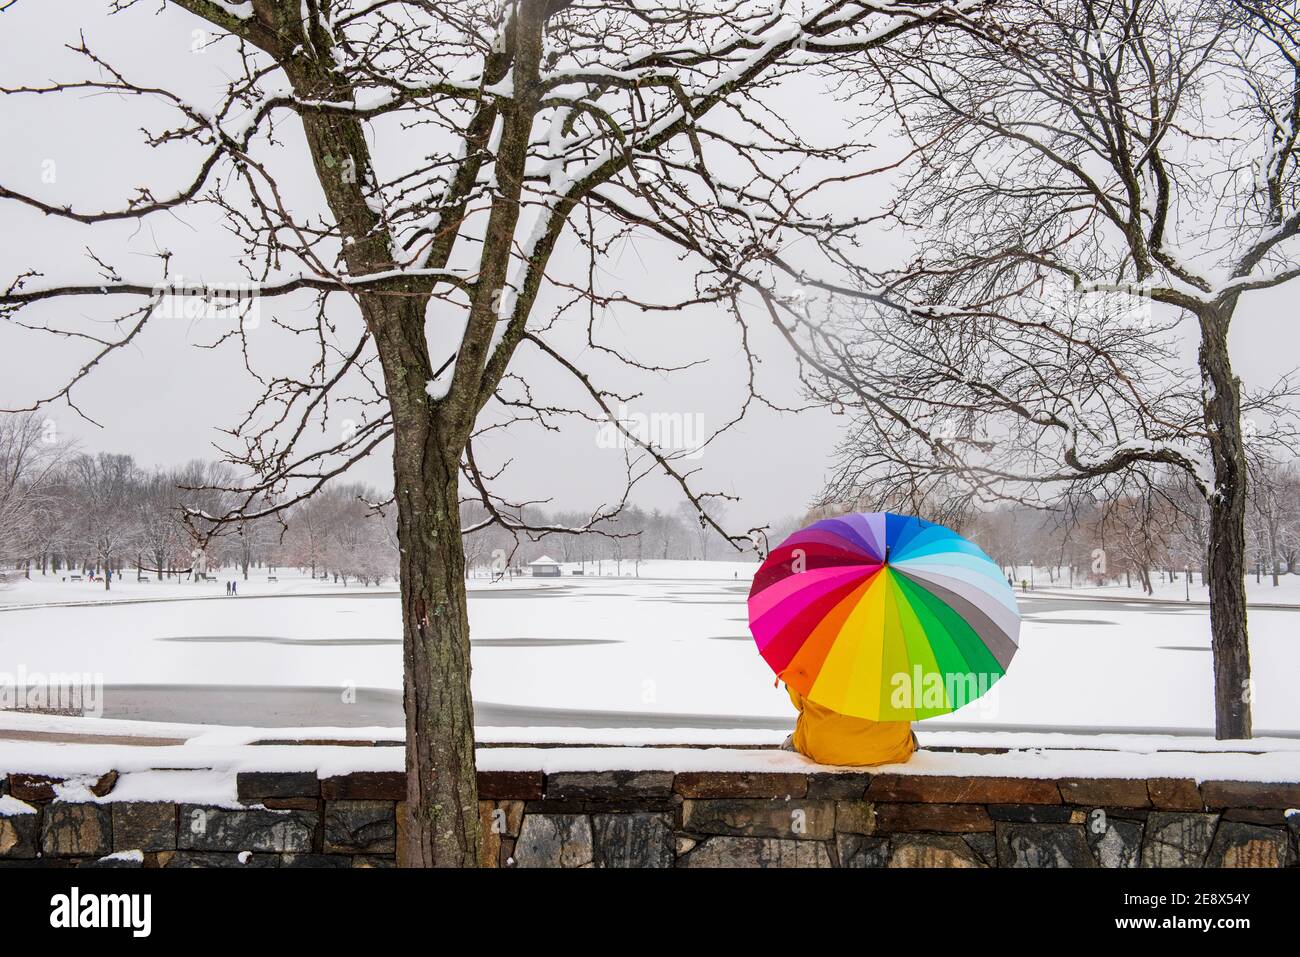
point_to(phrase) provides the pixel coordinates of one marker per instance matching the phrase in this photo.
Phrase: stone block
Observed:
(1225, 794)
(842, 786)
(76, 830)
(511, 785)
(796, 820)
(1042, 845)
(554, 840)
(20, 825)
(144, 826)
(499, 822)
(1114, 842)
(633, 840)
(1105, 792)
(942, 818)
(740, 784)
(985, 845)
(507, 855)
(609, 785)
(489, 849)
(1269, 817)
(365, 786)
(931, 850)
(940, 789)
(855, 817)
(360, 827)
(1175, 794)
(860, 850)
(1032, 813)
(254, 787)
(1177, 839)
(220, 829)
(293, 804)
(1248, 845)
(33, 787)
(756, 852)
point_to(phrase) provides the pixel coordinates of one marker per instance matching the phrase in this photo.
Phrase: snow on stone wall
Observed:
(658, 818)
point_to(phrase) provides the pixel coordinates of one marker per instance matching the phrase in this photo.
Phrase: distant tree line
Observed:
(1161, 532)
(626, 538)
(64, 512)
(1138, 533)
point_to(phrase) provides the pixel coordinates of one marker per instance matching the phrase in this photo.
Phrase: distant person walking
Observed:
(228, 584)
(234, 588)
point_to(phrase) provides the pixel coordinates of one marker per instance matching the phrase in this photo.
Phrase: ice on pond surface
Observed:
(607, 652)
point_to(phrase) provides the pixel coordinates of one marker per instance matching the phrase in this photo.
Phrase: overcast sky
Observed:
(163, 399)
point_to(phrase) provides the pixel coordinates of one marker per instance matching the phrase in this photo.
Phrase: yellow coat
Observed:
(832, 738)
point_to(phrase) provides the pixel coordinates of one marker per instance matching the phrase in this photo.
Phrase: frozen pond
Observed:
(606, 652)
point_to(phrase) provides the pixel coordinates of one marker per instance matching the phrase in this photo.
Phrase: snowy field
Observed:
(17, 591)
(1263, 592)
(600, 658)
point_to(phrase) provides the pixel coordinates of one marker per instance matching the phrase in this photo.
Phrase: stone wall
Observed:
(666, 819)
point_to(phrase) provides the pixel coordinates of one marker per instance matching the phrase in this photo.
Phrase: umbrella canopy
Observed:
(884, 616)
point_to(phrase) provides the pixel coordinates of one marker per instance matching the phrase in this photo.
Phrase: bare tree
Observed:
(105, 517)
(505, 125)
(350, 533)
(699, 526)
(30, 459)
(306, 541)
(205, 507)
(1275, 508)
(1087, 177)
(1135, 529)
(1285, 483)
(162, 535)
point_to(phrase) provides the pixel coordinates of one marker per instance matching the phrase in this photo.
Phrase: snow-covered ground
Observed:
(17, 590)
(565, 658)
(57, 590)
(1263, 592)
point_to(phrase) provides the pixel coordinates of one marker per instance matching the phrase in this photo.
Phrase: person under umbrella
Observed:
(877, 620)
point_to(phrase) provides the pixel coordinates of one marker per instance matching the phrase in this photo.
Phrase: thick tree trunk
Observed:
(1231, 650)
(442, 822)
(442, 828)
(1228, 619)
(441, 814)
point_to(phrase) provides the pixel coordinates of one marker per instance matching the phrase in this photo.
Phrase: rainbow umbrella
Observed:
(883, 616)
